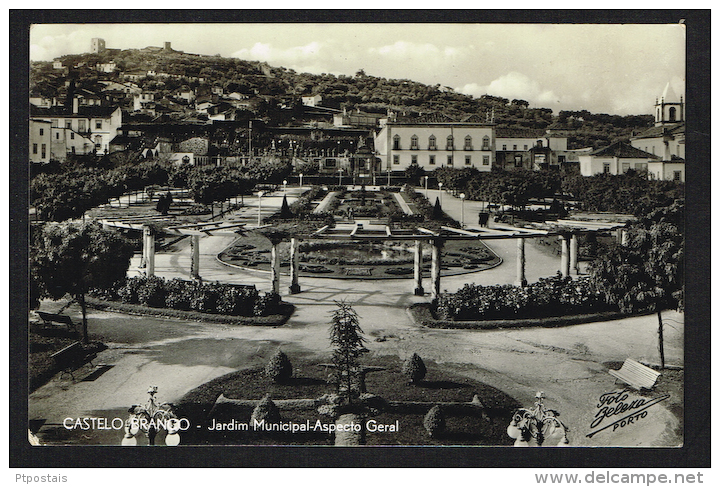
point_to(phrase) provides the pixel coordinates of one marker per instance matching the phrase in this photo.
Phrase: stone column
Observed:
(624, 237)
(435, 269)
(275, 268)
(294, 265)
(520, 277)
(195, 256)
(564, 258)
(419, 291)
(574, 255)
(149, 251)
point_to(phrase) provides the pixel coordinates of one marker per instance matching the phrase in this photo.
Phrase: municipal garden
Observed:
(113, 259)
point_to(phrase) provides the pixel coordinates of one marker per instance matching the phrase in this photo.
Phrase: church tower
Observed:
(669, 108)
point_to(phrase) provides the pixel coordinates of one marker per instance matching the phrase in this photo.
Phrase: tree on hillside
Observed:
(72, 259)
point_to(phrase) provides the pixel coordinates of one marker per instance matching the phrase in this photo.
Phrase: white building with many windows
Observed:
(80, 129)
(666, 140)
(436, 143)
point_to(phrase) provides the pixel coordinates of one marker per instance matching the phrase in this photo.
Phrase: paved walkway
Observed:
(568, 364)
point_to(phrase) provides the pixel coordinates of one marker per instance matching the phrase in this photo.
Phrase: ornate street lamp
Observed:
(462, 210)
(537, 426)
(284, 186)
(151, 418)
(440, 189)
(426, 184)
(301, 175)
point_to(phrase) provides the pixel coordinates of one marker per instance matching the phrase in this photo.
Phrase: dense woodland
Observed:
(277, 86)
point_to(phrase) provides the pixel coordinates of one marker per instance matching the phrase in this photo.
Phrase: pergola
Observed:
(366, 230)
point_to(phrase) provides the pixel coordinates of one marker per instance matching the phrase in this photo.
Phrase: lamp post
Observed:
(440, 189)
(301, 175)
(150, 419)
(340, 171)
(284, 186)
(462, 210)
(426, 184)
(260, 194)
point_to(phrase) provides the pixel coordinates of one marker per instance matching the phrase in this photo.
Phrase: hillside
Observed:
(278, 85)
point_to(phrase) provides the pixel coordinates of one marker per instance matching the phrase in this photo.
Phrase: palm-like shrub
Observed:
(434, 421)
(414, 369)
(279, 369)
(266, 410)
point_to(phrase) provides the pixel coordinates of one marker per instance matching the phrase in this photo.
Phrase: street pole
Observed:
(260, 193)
(462, 210)
(440, 189)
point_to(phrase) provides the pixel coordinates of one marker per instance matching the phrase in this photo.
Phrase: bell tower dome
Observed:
(669, 108)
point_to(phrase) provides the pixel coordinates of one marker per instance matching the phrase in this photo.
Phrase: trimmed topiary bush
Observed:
(279, 369)
(434, 421)
(414, 369)
(265, 411)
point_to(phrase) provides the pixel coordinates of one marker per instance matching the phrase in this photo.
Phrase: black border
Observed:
(694, 453)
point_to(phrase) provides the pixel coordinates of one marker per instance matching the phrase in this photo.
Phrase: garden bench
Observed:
(55, 319)
(72, 358)
(636, 375)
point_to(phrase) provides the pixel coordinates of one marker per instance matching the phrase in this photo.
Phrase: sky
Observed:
(603, 68)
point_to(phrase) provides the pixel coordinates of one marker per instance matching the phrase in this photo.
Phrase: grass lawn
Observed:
(309, 381)
(43, 342)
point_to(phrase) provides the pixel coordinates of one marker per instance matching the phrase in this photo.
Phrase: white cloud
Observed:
(515, 85)
(282, 56)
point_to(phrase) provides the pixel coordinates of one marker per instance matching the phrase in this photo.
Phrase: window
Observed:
(514, 146)
(525, 147)
(414, 142)
(432, 160)
(432, 143)
(72, 135)
(672, 114)
(450, 143)
(42, 132)
(486, 143)
(641, 166)
(539, 143)
(34, 148)
(468, 143)
(54, 123)
(43, 151)
(486, 160)
(98, 124)
(449, 160)
(468, 160)
(57, 135)
(81, 126)
(677, 175)
(561, 159)
(331, 163)
(396, 142)
(625, 167)
(413, 160)
(504, 146)
(396, 159)
(606, 167)
(68, 124)
(518, 161)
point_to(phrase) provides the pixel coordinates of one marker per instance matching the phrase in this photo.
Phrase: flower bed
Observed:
(178, 294)
(554, 296)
